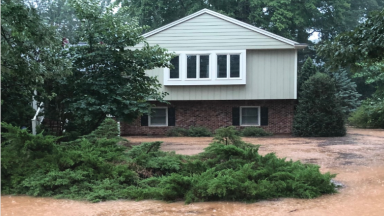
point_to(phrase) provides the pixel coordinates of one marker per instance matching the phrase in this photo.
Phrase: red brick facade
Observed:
(216, 114)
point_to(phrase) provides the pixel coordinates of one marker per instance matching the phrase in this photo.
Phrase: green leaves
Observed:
(96, 167)
(319, 112)
(108, 74)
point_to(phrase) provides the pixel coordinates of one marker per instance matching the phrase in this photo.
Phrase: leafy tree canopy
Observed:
(31, 53)
(361, 49)
(108, 76)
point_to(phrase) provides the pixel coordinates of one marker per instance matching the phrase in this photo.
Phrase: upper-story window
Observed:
(197, 66)
(207, 68)
(228, 66)
(174, 72)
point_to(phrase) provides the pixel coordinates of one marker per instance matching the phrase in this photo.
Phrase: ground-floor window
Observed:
(158, 117)
(250, 116)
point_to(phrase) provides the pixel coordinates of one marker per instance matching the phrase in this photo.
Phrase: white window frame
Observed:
(166, 117)
(198, 66)
(213, 79)
(241, 115)
(228, 66)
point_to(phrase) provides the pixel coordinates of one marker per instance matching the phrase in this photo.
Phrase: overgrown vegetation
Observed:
(98, 167)
(254, 132)
(369, 115)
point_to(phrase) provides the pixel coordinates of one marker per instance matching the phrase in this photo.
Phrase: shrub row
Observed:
(200, 131)
(99, 167)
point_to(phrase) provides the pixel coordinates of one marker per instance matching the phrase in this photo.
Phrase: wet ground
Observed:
(357, 158)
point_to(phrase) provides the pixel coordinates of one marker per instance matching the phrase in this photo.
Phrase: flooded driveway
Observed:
(357, 158)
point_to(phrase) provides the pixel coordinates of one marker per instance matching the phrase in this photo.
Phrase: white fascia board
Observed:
(229, 19)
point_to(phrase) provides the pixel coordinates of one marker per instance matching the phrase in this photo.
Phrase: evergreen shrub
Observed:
(177, 132)
(254, 132)
(319, 113)
(96, 167)
(199, 131)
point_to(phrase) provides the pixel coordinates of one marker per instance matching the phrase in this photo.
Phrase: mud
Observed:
(357, 158)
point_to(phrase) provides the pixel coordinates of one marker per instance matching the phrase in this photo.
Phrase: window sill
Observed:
(226, 81)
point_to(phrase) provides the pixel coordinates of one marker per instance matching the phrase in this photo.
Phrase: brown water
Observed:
(358, 159)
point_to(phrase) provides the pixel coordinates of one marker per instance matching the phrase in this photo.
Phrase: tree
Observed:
(361, 50)
(307, 70)
(31, 53)
(319, 112)
(108, 76)
(346, 92)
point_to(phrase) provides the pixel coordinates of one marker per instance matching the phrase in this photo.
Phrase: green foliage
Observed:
(31, 53)
(369, 114)
(227, 135)
(107, 78)
(307, 70)
(177, 132)
(346, 92)
(39, 166)
(199, 131)
(254, 132)
(96, 167)
(319, 113)
(360, 49)
(193, 131)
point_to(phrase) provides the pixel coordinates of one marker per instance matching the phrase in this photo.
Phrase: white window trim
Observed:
(198, 67)
(213, 79)
(228, 66)
(241, 115)
(166, 117)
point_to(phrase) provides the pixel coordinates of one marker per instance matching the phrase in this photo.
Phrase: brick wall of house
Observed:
(216, 114)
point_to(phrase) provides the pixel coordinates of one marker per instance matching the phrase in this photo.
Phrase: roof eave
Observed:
(300, 46)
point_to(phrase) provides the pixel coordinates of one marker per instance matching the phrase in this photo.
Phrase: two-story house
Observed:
(226, 72)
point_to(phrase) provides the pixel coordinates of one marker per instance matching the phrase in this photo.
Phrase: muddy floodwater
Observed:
(357, 158)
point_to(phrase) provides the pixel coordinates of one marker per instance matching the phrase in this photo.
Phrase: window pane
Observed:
(191, 66)
(250, 111)
(235, 65)
(174, 73)
(158, 116)
(250, 120)
(222, 66)
(249, 116)
(158, 112)
(204, 66)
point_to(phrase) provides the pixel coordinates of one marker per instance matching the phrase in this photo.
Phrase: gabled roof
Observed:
(228, 19)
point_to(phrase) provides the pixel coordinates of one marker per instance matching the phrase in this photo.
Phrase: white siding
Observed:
(207, 32)
(270, 75)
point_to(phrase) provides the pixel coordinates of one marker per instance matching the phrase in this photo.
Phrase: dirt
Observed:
(357, 158)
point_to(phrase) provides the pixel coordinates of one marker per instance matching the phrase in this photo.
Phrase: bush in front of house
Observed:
(177, 132)
(369, 115)
(199, 131)
(98, 167)
(319, 113)
(254, 132)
